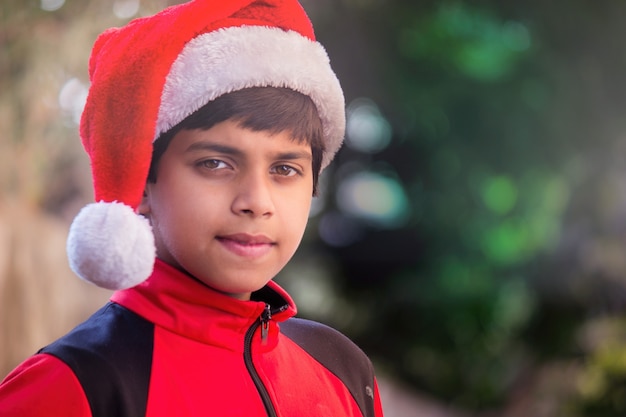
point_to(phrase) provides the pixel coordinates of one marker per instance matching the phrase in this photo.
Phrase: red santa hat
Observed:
(148, 76)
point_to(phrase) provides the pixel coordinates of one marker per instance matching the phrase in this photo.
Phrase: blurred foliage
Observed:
(471, 232)
(601, 385)
(508, 141)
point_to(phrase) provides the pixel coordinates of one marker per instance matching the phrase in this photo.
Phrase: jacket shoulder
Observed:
(339, 355)
(111, 355)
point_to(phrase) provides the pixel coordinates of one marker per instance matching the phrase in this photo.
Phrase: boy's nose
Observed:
(253, 197)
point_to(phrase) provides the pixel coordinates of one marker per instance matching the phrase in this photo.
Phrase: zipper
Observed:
(265, 318)
(264, 322)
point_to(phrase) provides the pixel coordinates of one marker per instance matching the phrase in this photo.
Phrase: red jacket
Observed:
(173, 347)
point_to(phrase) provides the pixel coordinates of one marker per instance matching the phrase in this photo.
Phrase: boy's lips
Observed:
(246, 245)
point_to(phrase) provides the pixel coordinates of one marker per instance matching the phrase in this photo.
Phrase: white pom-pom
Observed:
(111, 246)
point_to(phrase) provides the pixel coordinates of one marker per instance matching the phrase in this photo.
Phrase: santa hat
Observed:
(148, 76)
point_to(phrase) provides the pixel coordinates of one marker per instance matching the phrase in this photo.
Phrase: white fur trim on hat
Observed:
(233, 58)
(111, 246)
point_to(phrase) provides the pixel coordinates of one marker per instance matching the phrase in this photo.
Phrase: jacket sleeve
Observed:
(42, 386)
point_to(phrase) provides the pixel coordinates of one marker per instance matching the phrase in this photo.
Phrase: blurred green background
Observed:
(471, 235)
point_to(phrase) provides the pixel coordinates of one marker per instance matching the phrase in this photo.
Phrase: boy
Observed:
(191, 227)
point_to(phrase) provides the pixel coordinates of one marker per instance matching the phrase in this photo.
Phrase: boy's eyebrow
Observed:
(215, 147)
(293, 155)
(229, 150)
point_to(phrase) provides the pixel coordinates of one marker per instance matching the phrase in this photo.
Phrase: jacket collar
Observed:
(183, 305)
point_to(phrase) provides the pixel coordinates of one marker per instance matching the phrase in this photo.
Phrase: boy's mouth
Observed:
(246, 245)
(246, 239)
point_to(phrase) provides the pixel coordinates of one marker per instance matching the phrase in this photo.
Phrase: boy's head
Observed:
(152, 75)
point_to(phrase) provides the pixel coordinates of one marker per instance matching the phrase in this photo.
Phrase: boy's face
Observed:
(230, 205)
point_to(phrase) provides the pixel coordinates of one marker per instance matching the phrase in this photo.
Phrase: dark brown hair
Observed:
(269, 109)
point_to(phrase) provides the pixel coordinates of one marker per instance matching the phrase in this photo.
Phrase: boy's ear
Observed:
(144, 206)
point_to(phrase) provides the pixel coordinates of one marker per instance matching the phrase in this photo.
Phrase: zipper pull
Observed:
(266, 316)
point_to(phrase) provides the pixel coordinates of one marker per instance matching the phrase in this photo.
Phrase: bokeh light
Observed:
(500, 194)
(72, 99)
(125, 9)
(374, 198)
(51, 5)
(366, 128)
(336, 229)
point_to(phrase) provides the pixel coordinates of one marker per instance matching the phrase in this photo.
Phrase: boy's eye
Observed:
(213, 164)
(285, 170)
